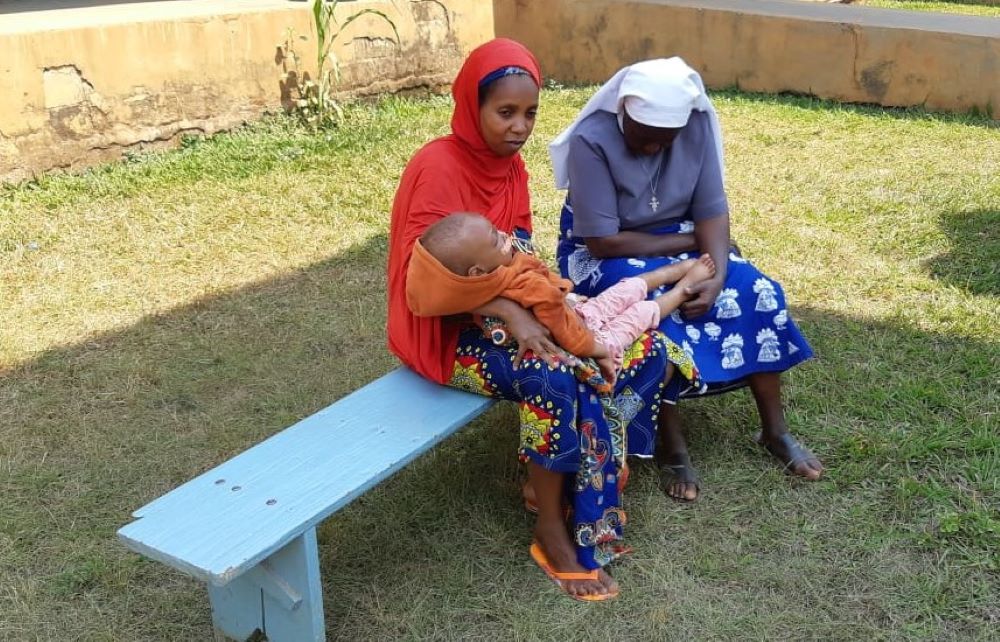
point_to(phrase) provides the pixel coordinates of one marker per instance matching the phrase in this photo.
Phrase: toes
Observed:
(683, 490)
(810, 469)
(583, 589)
(608, 582)
(815, 468)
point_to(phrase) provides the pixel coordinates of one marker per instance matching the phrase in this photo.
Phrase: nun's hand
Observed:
(702, 297)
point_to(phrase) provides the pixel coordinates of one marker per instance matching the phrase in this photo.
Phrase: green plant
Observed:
(312, 100)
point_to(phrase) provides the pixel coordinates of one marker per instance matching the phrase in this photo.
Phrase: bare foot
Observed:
(701, 268)
(678, 477)
(554, 540)
(666, 274)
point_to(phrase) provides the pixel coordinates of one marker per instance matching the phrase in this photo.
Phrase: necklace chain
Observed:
(654, 179)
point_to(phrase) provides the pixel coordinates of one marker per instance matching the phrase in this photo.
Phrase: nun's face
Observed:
(644, 140)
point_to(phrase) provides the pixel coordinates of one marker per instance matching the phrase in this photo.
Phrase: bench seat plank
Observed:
(224, 522)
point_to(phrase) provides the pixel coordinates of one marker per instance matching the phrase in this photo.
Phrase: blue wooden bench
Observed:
(248, 527)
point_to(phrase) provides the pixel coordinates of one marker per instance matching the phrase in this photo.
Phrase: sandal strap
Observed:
(589, 575)
(797, 453)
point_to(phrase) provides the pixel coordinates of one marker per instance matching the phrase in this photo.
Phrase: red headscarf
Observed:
(456, 173)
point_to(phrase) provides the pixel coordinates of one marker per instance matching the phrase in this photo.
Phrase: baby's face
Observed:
(489, 247)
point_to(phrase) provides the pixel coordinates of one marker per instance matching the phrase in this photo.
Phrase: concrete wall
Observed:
(82, 85)
(846, 53)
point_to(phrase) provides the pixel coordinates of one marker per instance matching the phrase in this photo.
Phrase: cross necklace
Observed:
(654, 179)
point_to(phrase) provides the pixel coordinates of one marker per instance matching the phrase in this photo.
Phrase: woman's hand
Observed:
(713, 238)
(703, 296)
(532, 335)
(528, 332)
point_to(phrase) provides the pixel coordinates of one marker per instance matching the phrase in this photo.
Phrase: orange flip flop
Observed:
(542, 560)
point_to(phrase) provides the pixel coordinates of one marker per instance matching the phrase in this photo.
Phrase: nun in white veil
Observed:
(643, 165)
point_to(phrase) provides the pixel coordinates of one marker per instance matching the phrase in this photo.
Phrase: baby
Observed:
(463, 261)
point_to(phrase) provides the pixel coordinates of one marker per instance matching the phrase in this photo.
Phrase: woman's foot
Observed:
(796, 458)
(554, 541)
(678, 477)
(774, 435)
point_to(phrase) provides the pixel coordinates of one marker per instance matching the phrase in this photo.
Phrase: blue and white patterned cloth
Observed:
(748, 331)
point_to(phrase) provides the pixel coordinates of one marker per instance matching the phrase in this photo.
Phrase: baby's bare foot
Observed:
(703, 268)
(667, 274)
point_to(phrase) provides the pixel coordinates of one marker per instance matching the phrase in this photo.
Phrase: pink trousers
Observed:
(619, 315)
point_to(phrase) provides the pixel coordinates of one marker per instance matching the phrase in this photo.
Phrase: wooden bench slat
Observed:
(298, 477)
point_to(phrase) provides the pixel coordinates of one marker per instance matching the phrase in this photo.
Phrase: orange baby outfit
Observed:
(433, 290)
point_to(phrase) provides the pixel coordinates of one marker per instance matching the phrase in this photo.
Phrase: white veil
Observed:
(659, 93)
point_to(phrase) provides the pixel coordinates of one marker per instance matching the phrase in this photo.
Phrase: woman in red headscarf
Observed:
(575, 454)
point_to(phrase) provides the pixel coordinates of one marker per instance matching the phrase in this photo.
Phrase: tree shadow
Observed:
(872, 405)
(93, 431)
(973, 262)
(90, 432)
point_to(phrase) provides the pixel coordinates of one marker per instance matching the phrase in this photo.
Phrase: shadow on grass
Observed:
(90, 432)
(973, 263)
(93, 431)
(912, 460)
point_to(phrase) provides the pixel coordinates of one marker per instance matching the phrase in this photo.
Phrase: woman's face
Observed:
(644, 140)
(507, 114)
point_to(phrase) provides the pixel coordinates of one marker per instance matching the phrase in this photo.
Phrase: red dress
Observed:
(451, 174)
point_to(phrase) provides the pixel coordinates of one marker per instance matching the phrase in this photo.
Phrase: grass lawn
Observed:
(162, 314)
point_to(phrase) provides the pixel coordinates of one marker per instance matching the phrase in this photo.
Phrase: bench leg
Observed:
(281, 597)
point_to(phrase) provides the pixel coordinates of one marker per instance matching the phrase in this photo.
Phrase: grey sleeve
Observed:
(593, 193)
(709, 199)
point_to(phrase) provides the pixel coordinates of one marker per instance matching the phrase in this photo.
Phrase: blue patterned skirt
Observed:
(563, 426)
(748, 331)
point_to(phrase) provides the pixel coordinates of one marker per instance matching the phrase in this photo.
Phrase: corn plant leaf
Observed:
(375, 12)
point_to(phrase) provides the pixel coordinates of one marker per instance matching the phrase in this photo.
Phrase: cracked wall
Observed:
(74, 96)
(850, 54)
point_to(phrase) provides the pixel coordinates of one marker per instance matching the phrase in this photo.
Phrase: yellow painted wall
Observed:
(82, 85)
(846, 53)
(78, 86)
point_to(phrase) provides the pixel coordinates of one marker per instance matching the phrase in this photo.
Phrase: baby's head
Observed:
(468, 244)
